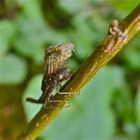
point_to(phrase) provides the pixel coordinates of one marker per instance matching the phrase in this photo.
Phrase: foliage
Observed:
(109, 106)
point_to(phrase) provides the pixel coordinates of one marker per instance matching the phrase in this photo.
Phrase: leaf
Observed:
(83, 44)
(32, 90)
(31, 39)
(72, 64)
(6, 34)
(131, 54)
(73, 6)
(13, 69)
(31, 8)
(137, 103)
(125, 5)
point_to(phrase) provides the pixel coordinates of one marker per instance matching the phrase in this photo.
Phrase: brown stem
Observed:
(105, 51)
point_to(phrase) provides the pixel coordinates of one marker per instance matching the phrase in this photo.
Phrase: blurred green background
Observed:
(107, 108)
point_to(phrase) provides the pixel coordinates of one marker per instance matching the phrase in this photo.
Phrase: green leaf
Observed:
(132, 59)
(131, 54)
(137, 103)
(72, 64)
(12, 69)
(6, 34)
(83, 44)
(125, 5)
(73, 6)
(32, 90)
(31, 38)
(31, 8)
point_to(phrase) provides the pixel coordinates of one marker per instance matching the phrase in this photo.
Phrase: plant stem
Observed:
(105, 51)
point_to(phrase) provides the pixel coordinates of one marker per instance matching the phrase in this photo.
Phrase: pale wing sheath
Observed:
(55, 57)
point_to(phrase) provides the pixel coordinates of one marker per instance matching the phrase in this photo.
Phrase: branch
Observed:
(105, 51)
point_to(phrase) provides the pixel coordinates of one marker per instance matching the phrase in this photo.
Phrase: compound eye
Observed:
(50, 80)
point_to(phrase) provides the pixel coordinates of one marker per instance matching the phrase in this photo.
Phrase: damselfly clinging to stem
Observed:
(54, 70)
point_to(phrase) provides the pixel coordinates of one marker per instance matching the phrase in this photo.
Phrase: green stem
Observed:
(129, 26)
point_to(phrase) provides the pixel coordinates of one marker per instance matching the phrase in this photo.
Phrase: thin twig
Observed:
(105, 51)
